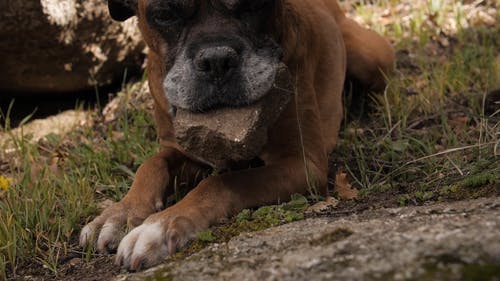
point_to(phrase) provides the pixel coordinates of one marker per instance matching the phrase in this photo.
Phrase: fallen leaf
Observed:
(117, 135)
(480, 18)
(344, 188)
(323, 206)
(459, 123)
(75, 261)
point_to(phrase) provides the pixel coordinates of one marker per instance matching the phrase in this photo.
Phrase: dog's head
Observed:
(216, 53)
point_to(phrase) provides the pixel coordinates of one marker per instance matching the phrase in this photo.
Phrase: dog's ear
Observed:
(121, 10)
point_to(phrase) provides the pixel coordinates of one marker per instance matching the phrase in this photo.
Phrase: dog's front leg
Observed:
(152, 184)
(215, 198)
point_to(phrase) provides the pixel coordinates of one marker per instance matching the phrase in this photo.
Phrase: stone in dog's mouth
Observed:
(234, 134)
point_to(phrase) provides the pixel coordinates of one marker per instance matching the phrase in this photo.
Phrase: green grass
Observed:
(427, 138)
(429, 130)
(44, 208)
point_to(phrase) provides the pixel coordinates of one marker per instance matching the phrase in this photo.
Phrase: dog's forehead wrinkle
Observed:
(230, 4)
(216, 23)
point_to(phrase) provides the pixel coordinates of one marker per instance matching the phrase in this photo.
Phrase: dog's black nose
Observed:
(217, 62)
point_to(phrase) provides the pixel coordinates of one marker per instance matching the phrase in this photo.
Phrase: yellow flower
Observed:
(4, 183)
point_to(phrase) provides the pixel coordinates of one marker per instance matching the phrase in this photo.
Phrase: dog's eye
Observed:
(166, 16)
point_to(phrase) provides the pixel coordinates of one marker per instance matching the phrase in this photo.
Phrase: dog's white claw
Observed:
(144, 246)
(87, 235)
(109, 237)
(124, 251)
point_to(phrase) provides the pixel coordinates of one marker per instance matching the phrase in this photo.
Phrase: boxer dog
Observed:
(205, 54)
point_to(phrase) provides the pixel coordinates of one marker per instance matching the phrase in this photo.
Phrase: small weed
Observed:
(404, 200)
(423, 196)
(298, 203)
(244, 215)
(206, 236)
(451, 189)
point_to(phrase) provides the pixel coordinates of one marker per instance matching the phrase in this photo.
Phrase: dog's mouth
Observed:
(234, 133)
(243, 90)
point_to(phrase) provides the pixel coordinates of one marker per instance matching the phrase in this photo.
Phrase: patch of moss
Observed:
(423, 196)
(298, 203)
(206, 236)
(278, 214)
(476, 272)
(293, 216)
(244, 215)
(449, 190)
(403, 200)
(269, 212)
(456, 192)
(248, 221)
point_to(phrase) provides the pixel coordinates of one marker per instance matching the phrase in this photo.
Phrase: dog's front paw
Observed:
(106, 231)
(157, 238)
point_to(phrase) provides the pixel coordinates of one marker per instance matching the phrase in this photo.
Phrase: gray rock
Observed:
(64, 46)
(452, 241)
(35, 130)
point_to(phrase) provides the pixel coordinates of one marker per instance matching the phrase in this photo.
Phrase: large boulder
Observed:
(450, 241)
(60, 46)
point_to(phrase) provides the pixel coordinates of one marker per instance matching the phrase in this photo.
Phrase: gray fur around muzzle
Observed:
(219, 76)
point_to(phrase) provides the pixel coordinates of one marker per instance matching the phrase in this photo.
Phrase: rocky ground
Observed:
(457, 241)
